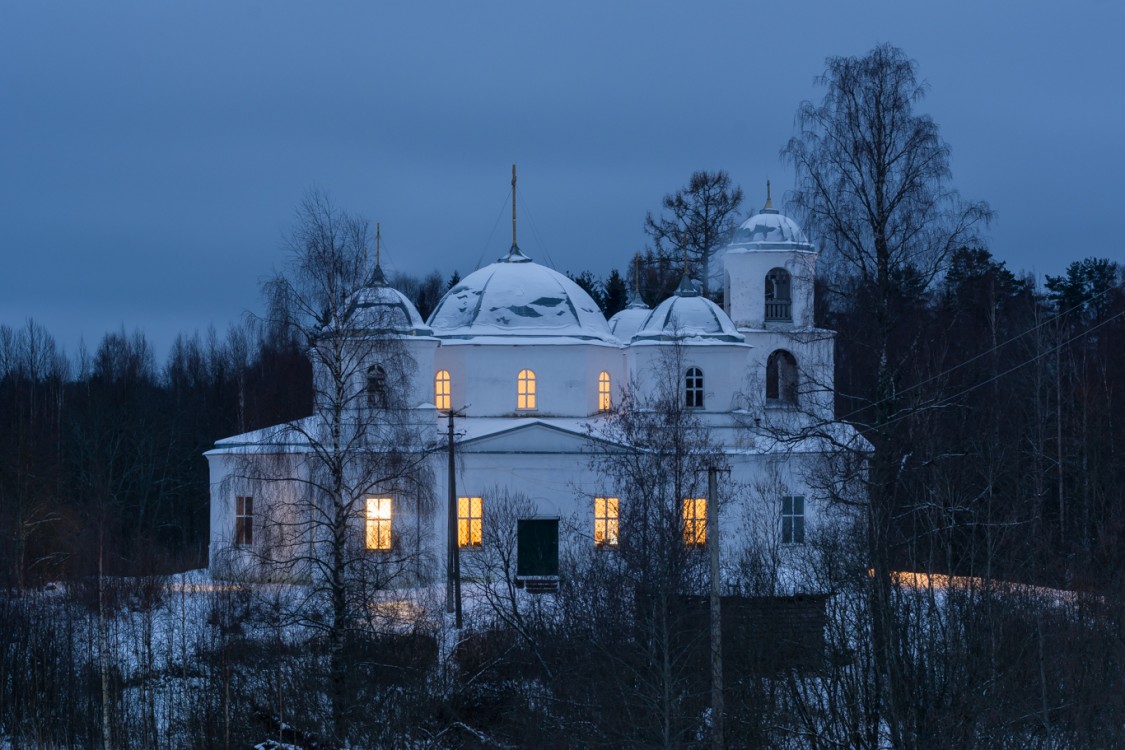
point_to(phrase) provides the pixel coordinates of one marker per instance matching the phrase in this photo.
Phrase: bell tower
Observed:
(768, 273)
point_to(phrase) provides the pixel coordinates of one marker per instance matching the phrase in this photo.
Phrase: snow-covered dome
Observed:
(378, 307)
(628, 321)
(517, 297)
(769, 230)
(688, 315)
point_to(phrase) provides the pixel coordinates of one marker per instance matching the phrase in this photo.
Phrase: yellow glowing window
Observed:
(378, 526)
(695, 521)
(603, 392)
(441, 390)
(470, 519)
(605, 521)
(525, 390)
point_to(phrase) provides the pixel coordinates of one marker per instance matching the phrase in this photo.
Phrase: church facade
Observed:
(534, 376)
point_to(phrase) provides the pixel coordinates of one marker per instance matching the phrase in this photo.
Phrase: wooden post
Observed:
(716, 613)
(453, 552)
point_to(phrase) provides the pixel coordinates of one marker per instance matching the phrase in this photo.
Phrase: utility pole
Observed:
(453, 551)
(716, 614)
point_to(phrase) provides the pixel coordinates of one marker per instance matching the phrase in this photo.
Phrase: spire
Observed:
(686, 288)
(377, 277)
(515, 255)
(635, 299)
(768, 208)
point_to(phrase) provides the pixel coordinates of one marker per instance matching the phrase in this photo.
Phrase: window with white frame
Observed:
(379, 524)
(470, 521)
(693, 388)
(793, 519)
(606, 522)
(695, 521)
(525, 390)
(243, 520)
(603, 392)
(441, 390)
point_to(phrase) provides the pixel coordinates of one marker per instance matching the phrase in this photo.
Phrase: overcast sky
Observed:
(152, 153)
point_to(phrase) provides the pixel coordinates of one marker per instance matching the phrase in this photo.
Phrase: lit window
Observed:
(793, 520)
(470, 518)
(781, 377)
(603, 392)
(441, 390)
(605, 521)
(525, 390)
(243, 520)
(376, 387)
(695, 521)
(693, 388)
(378, 531)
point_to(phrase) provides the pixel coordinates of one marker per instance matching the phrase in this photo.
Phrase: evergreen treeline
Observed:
(101, 455)
(1009, 418)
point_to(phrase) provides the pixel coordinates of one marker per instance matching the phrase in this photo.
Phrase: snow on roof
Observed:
(687, 316)
(518, 297)
(769, 230)
(378, 307)
(627, 322)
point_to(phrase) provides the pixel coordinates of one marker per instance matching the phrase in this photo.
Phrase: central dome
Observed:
(517, 297)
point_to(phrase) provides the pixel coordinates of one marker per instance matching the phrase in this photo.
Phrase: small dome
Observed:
(628, 321)
(687, 315)
(769, 230)
(517, 297)
(378, 307)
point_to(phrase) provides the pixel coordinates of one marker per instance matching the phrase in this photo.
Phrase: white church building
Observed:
(533, 372)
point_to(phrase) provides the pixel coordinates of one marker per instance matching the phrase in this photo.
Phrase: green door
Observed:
(537, 551)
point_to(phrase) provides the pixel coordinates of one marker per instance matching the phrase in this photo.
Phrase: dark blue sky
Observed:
(152, 153)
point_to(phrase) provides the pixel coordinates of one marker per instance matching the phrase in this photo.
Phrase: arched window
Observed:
(525, 390)
(441, 390)
(693, 388)
(781, 377)
(778, 299)
(376, 387)
(603, 391)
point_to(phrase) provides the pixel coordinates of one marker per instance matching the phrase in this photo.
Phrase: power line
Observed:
(949, 399)
(986, 352)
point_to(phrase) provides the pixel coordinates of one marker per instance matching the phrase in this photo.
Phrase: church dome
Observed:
(685, 316)
(378, 307)
(517, 297)
(769, 230)
(628, 321)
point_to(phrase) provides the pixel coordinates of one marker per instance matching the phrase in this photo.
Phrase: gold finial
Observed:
(513, 205)
(769, 195)
(378, 244)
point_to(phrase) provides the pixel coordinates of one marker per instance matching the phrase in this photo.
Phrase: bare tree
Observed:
(696, 220)
(657, 454)
(873, 182)
(345, 491)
